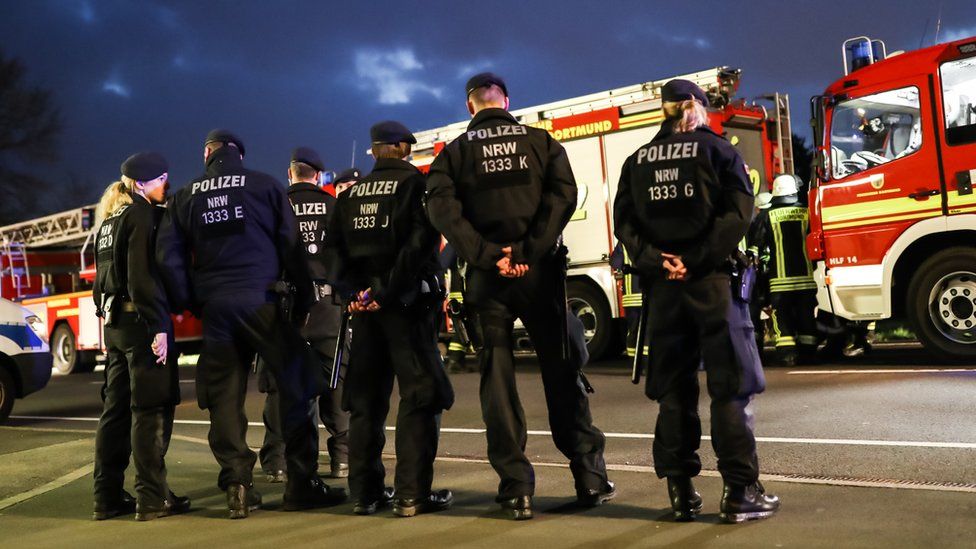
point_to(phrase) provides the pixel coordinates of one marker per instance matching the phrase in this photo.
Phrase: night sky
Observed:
(154, 75)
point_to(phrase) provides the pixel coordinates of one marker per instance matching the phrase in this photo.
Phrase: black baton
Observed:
(635, 372)
(340, 348)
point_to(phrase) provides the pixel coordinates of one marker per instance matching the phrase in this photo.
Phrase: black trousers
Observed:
(139, 398)
(321, 332)
(235, 327)
(795, 321)
(398, 343)
(692, 323)
(536, 299)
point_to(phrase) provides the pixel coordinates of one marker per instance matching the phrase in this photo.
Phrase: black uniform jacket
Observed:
(379, 237)
(501, 184)
(125, 263)
(687, 194)
(312, 207)
(229, 231)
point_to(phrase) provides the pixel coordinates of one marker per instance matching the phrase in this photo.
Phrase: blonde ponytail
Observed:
(687, 115)
(115, 196)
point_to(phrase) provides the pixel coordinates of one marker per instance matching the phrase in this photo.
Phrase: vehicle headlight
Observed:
(38, 326)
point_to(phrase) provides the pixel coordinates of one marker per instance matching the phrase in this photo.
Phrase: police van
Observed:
(25, 359)
(599, 132)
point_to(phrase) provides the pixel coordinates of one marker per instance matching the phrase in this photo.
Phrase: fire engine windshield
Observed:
(875, 129)
(959, 100)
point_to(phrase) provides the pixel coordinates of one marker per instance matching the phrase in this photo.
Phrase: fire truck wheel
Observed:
(590, 306)
(7, 391)
(942, 303)
(67, 359)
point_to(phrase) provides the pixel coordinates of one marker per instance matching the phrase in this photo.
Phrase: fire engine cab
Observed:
(892, 211)
(599, 132)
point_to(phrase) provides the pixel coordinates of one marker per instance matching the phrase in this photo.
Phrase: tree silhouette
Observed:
(29, 128)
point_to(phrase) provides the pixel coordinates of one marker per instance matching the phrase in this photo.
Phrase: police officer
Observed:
(313, 205)
(385, 265)
(502, 193)
(141, 386)
(226, 239)
(792, 290)
(683, 204)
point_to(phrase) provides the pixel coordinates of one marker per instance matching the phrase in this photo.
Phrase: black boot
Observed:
(125, 505)
(742, 503)
(436, 501)
(310, 494)
(369, 506)
(686, 502)
(594, 498)
(517, 508)
(241, 500)
(172, 505)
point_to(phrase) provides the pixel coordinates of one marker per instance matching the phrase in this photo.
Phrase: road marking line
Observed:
(53, 485)
(626, 467)
(630, 436)
(889, 371)
(795, 479)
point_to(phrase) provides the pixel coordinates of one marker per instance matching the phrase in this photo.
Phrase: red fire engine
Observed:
(893, 214)
(47, 265)
(599, 132)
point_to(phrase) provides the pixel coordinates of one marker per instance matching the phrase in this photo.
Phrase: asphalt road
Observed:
(874, 452)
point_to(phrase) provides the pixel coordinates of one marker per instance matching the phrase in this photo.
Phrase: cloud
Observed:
(639, 31)
(86, 12)
(393, 76)
(951, 35)
(115, 87)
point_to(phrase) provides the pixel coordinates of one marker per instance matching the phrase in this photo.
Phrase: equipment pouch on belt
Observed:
(109, 311)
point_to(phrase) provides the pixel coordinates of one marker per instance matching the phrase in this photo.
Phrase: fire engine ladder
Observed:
(784, 132)
(16, 267)
(69, 228)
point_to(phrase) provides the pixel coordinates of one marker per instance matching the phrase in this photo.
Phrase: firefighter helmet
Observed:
(785, 185)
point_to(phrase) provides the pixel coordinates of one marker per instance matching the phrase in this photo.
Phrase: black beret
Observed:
(144, 166)
(392, 132)
(306, 155)
(224, 136)
(485, 79)
(347, 176)
(681, 90)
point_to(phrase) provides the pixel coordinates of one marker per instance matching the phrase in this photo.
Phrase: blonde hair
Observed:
(689, 115)
(117, 194)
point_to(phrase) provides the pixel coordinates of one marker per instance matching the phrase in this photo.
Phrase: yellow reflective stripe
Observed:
(785, 342)
(456, 295)
(893, 209)
(776, 332)
(456, 347)
(629, 301)
(877, 220)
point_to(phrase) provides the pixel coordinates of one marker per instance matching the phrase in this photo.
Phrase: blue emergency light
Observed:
(862, 51)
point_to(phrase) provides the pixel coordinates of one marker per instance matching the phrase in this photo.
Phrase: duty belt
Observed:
(128, 307)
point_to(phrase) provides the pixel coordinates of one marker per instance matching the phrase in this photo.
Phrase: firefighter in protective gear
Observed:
(386, 266)
(758, 254)
(632, 295)
(683, 204)
(141, 388)
(502, 193)
(792, 290)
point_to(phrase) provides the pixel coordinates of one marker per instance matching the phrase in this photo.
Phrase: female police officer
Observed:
(141, 386)
(683, 203)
